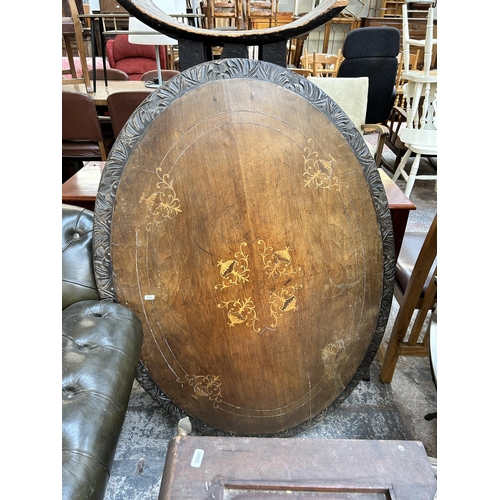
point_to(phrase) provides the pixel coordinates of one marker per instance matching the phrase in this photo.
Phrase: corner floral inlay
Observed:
(162, 204)
(318, 172)
(205, 386)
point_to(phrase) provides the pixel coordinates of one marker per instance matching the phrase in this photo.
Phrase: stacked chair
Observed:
(415, 289)
(369, 53)
(419, 134)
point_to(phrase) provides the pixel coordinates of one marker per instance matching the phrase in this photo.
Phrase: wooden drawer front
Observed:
(416, 27)
(394, 22)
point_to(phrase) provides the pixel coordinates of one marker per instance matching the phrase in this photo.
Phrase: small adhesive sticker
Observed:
(149, 297)
(197, 458)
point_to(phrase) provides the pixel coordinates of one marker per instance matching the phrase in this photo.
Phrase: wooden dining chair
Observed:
(321, 64)
(111, 74)
(420, 95)
(221, 13)
(82, 135)
(102, 111)
(261, 11)
(415, 289)
(166, 74)
(121, 105)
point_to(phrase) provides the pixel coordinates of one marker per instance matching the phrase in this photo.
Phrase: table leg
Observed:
(103, 50)
(399, 220)
(93, 42)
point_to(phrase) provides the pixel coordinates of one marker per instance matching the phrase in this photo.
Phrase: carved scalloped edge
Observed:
(132, 133)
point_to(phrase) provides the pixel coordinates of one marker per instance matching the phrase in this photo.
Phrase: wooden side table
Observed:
(81, 188)
(271, 469)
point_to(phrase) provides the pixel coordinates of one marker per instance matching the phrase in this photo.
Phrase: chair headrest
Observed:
(373, 41)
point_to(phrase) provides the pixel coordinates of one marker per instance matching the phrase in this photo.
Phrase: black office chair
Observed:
(373, 52)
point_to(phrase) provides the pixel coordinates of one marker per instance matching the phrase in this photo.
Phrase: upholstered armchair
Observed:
(132, 58)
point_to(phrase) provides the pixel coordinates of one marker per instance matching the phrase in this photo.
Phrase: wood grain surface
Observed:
(237, 220)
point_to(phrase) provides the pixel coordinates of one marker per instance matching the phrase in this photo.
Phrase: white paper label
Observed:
(197, 458)
(149, 297)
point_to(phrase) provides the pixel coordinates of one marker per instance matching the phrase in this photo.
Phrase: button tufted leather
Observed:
(78, 281)
(101, 344)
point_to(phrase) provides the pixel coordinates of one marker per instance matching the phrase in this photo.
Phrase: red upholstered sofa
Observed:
(133, 59)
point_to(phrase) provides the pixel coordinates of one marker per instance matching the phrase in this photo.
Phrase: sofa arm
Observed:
(101, 344)
(78, 282)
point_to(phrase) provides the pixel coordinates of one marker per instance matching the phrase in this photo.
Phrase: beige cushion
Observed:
(351, 94)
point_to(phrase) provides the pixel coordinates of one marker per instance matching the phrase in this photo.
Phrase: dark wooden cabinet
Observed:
(416, 26)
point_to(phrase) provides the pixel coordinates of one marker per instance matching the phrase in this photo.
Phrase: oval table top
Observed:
(241, 216)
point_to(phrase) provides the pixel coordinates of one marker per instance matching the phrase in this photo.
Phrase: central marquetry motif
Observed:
(235, 271)
(244, 234)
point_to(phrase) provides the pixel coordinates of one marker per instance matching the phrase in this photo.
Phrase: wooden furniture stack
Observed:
(72, 27)
(224, 14)
(321, 64)
(420, 96)
(417, 23)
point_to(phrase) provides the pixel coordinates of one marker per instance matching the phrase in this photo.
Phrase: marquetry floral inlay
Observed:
(278, 262)
(208, 386)
(234, 271)
(318, 172)
(162, 204)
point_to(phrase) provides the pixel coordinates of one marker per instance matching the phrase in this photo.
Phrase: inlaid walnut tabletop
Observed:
(241, 216)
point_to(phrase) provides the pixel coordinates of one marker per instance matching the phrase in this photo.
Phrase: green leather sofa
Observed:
(101, 344)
